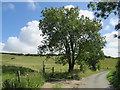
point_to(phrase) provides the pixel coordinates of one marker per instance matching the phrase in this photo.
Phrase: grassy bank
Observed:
(114, 79)
(27, 78)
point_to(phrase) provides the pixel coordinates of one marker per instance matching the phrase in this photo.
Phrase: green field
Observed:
(33, 62)
(36, 63)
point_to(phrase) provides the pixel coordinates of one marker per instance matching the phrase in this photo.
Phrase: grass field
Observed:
(36, 63)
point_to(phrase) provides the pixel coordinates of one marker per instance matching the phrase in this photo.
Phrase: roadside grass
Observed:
(89, 72)
(31, 80)
(113, 78)
(28, 78)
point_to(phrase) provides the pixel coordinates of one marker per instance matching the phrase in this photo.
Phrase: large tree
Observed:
(67, 33)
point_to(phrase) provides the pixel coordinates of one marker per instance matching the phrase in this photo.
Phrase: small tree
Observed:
(70, 35)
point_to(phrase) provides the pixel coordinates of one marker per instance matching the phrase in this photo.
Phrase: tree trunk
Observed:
(71, 66)
(72, 59)
(94, 67)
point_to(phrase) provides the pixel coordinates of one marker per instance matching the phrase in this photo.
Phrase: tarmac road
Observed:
(95, 81)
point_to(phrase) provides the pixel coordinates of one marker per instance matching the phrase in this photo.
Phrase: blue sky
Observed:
(17, 15)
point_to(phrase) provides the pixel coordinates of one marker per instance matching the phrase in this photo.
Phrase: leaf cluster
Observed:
(104, 9)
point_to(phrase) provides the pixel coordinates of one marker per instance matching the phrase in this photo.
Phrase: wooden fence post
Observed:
(43, 67)
(18, 76)
(52, 70)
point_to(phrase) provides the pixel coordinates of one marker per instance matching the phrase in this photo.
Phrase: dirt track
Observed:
(94, 81)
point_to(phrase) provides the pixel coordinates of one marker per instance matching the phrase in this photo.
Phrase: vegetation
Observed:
(31, 80)
(28, 78)
(104, 9)
(78, 41)
(76, 38)
(114, 76)
(113, 79)
(11, 66)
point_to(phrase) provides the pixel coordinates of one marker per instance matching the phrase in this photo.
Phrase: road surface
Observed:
(95, 81)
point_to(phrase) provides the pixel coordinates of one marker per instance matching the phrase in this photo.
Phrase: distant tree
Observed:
(70, 35)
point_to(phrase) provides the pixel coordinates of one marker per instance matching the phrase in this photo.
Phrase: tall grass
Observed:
(28, 78)
(32, 80)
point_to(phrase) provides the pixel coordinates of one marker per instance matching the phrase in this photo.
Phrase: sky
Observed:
(20, 32)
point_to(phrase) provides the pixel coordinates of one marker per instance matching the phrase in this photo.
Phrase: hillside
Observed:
(36, 62)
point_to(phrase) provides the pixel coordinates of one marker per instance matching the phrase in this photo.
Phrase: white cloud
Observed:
(111, 52)
(69, 6)
(1, 46)
(86, 13)
(112, 45)
(28, 40)
(114, 21)
(9, 6)
(107, 28)
(33, 5)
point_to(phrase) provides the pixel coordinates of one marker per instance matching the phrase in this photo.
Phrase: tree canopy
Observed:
(104, 9)
(76, 38)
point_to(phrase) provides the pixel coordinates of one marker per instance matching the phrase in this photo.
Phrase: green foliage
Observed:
(62, 75)
(118, 68)
(104, 9)
(83, 66)
(114, 76)
(114, 79)
(29, 78)
(70, 35)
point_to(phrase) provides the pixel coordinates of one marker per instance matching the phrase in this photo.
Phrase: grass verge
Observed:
(113, 78)
(27, 79)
